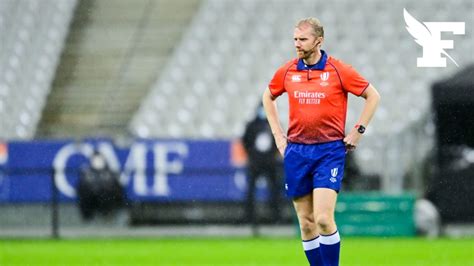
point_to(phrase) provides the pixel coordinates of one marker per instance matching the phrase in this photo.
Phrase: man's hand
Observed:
(352, 140)
(281, 143)
(372, 99)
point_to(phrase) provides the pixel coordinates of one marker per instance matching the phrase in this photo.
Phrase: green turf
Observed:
(246, 251)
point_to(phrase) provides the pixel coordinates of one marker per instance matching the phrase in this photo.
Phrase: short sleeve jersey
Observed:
(317, 97)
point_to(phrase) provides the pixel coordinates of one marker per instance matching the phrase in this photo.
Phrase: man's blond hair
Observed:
(314, 23)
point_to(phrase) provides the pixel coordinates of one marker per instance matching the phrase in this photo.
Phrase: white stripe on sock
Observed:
(312, 244)
(330, 240)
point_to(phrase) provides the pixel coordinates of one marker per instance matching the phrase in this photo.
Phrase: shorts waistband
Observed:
(318, 144)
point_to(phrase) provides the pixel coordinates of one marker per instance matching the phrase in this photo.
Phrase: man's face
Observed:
(305, 41)
(98, 162)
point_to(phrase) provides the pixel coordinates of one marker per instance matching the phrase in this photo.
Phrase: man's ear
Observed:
(321, 40)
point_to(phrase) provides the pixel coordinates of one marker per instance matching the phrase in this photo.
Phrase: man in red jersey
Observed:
(315, 146)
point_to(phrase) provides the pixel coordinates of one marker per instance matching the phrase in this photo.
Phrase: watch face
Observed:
(361, 129)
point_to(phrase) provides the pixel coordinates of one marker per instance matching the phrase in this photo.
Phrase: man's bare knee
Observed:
(307, 225)
(324, 222)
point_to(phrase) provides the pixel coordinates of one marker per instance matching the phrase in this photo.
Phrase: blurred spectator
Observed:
(263, 161)
(355, 179)
(99, 190)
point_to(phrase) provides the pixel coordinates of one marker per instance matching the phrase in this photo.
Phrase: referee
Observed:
(315, 145)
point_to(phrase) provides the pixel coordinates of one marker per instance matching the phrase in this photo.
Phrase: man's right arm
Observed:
(269, 104)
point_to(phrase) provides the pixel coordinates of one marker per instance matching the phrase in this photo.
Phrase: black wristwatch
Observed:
(360, 129)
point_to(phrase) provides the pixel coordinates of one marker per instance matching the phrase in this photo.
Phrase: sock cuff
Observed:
(331, 239)
(311, 244)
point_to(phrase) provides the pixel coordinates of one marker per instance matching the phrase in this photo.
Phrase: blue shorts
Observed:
(310, 166)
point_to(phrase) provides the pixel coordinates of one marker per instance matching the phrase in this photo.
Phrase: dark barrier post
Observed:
(54, 207)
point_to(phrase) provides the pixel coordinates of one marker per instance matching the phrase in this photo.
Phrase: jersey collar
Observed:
(318, 66)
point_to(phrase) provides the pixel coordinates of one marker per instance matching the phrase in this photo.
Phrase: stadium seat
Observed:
(32, 37)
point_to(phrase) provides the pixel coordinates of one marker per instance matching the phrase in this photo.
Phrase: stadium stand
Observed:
(209, 81)
(195, 69)
(215, 77)
(112, 55)
(32, 38)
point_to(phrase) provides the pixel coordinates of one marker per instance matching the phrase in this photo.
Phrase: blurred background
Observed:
(126, 117)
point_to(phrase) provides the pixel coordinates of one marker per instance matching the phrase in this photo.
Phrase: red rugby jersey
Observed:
(317, 97)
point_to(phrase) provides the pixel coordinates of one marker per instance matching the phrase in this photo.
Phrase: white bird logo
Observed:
(422, 34)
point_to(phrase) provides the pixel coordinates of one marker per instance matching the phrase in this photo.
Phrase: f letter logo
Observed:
(428, 35)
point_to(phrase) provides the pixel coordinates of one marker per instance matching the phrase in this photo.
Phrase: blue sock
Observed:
(311, 249)
(330, 246)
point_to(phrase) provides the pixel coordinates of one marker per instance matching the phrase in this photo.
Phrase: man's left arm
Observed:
(372, 98)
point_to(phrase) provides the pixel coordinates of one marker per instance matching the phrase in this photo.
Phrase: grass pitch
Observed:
(235, 251)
